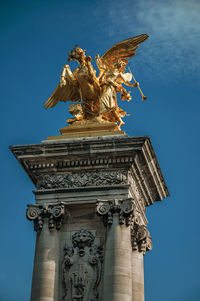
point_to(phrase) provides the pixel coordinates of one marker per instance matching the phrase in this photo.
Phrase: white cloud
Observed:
(174, 29)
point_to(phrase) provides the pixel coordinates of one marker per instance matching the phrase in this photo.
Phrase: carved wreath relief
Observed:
(82, 268)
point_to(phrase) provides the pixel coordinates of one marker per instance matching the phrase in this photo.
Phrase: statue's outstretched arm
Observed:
(131, 84)
(102, 70)
(126, 79)
(99, 63)
(66, 72)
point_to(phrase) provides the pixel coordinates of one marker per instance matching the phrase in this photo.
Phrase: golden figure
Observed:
(97, 95)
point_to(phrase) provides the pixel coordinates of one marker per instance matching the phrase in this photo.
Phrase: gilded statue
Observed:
(95, 97)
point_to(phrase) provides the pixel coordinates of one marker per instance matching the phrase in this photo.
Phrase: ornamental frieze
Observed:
(132, 181)
(82, 267)
(82, 179)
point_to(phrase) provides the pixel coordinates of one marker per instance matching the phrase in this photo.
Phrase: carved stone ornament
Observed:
(125, 209)
(82, 267)
(140, 238)
(82, 179)
(37, 213)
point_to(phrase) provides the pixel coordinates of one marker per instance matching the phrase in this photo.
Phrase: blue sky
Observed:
(35, 38)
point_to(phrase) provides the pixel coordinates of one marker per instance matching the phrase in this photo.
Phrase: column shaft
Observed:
(117, 266)
(137, 276)
(46, 266)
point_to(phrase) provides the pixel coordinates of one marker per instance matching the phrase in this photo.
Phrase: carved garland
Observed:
(54, 213)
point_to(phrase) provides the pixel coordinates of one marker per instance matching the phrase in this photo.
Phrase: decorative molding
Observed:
(132, 181)
(124, 208)
(82, 267)
(140, 238)
(82, 179)
(135, 191)
(106, 152)
(35, 213)
(74, 163)
(54, 213)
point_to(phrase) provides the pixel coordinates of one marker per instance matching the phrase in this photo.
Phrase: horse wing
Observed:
(68, 92)
(123, 50)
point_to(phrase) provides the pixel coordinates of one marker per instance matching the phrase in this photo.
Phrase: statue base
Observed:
(82, 129)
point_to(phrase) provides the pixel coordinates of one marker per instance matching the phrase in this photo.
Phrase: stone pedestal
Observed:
(91, 198)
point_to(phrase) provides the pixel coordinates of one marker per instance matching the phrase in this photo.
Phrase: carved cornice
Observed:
(54, 213)
(41, 165)
(140, 238)
(102, 154)
(124, 208)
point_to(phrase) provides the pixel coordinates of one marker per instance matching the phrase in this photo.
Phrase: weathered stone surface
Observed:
(117, 268)
(45, 280)
(137, 276)
(123, 175)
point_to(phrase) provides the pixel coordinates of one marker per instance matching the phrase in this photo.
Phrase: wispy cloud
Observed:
(174, 29)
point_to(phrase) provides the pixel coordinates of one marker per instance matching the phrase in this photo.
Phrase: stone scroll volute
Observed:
(124, 209)
(52, 212)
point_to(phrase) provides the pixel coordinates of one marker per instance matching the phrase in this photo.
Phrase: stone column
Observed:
(137, 276)
(118, 251)
(46, 263)
(141, 242)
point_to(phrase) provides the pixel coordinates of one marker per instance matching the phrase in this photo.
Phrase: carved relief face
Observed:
(82, 238)
(82, 269)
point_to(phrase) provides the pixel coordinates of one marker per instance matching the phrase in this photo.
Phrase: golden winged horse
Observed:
(95, 97)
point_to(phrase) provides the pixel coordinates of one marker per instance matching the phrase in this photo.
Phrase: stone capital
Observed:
(140, 238)
(53, 212)
(124, 208)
